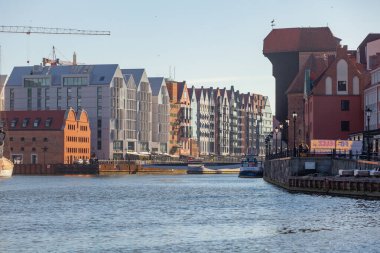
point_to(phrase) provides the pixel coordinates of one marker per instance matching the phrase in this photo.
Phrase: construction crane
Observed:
(47, 30)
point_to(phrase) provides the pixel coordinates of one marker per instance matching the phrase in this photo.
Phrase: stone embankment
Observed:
(321, 175)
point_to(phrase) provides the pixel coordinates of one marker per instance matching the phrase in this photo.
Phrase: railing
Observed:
(332, 153)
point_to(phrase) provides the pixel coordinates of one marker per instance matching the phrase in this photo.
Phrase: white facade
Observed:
(160, 115)
(99, 89)
(144, 109)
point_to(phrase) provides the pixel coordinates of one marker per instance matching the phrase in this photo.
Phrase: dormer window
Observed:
(14, 122)
(36, 122)
(25, 122)
(48, 122)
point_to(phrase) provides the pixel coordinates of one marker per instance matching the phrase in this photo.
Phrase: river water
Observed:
(182, 213)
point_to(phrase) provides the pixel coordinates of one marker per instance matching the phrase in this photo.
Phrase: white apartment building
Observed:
(99, 89)
(160, 115)
(144, 109)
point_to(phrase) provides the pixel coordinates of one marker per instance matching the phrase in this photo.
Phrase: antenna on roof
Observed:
(174, 73)
(170, 72)
(273, 24)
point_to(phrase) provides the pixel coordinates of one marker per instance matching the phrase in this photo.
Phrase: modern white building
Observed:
(130, 101)
(160, 115)
(99, 89)
(200, 118)
(144, 109)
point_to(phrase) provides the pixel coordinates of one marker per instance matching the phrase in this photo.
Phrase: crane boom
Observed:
(47, 30)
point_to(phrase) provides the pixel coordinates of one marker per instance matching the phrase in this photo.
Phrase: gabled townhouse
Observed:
(160, 115)
(233, 121)
(264, 119)
(144, 109)
(333, 99)
(223, 122)
(99, 89)
(212, 115)
(130, 119)
(180, 113)
(203, 116)
(194, 121)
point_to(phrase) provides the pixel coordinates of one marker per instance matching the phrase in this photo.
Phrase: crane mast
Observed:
(47, 30)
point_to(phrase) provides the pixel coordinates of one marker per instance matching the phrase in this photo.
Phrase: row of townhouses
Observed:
(131, 113)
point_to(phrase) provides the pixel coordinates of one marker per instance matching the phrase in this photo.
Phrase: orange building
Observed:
(180, 126)
(46, 137)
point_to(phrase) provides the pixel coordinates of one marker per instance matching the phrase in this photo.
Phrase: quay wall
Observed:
(291, 174)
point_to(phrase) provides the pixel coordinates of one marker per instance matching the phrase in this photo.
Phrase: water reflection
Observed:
(182, 213)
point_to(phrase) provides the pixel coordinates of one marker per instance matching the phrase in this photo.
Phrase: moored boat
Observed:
(251, 168)
(6, 166)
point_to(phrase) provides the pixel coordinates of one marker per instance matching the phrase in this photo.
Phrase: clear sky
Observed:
(210, 42)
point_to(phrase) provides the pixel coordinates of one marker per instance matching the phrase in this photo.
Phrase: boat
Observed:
(195, 162)
(6, 166)
(251, 168)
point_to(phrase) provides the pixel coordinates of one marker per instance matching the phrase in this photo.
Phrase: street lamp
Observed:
(287, 136)
(281, 127)
(44, 149)
(368, 114)
(276, 131)
(294, 133)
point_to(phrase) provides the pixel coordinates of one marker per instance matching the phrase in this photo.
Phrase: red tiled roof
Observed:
(316, 65)
(57, 119)
(300, 40)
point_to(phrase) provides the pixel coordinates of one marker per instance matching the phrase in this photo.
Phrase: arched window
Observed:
(355, 85)
(342, 77)
(328, 85)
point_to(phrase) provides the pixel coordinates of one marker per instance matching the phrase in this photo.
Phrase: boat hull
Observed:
(253, 172)
(6, 168)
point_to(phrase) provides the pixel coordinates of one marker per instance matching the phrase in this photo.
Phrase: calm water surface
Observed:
(185, 213)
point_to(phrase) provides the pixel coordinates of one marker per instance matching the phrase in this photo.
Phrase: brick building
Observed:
(333, 99)
(46, 137)
(180, 114)
(288, 49)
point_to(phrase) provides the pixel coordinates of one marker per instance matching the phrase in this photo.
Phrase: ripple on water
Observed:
(196, 213)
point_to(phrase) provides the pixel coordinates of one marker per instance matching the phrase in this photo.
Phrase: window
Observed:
(34, 159)
(345, 126)
(22, 139)
(36, 82)
(36, 122)
(342, 86)
(2, 123)
(48, 122)
(33, 138)
(45, 139)
(345, 105)
(25, 122)
(10, 138)
(75, 81)
(14, 122)
(99, 145)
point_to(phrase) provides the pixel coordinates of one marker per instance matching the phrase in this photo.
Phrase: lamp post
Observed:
(44, 149)
(276, 131)
(294, 133)
(287, 136)
(281, 127)
(368, 114)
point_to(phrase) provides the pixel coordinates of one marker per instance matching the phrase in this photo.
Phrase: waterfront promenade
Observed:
(322, 176)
